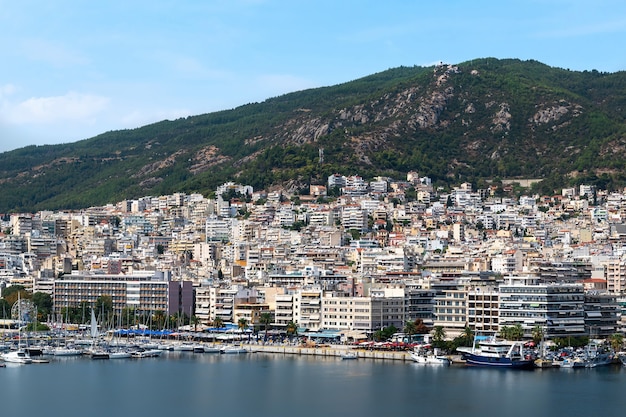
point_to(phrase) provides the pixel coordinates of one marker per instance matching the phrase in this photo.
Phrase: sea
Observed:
(185, 384)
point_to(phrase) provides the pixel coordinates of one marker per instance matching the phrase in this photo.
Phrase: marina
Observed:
(268, 384)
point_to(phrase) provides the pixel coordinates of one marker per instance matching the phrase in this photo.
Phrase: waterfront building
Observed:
(601, 314)
(483, 308)
(308, 308)
(145, 292)
(557, 308)
(450, 309)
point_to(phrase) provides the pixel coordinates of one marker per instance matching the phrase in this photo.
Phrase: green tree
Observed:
(242, 324)
(265, 319)
(194, 320)
(43, 302)
(616, 340)
(537, 334)
(467, 337)
(218, 323)
(292, 329)
(410, 329)
(439, 336)
(104, 306)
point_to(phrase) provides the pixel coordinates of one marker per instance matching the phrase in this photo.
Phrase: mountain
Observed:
(474, 121)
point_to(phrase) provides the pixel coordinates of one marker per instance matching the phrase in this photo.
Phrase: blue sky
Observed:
(71, 69)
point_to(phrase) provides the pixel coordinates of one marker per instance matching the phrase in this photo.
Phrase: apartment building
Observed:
(557, 308)
(145, 292)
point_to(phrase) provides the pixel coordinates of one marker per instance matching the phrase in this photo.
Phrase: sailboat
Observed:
(96, 352)
(20, 355)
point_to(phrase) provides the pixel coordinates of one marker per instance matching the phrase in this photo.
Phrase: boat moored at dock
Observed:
(488, 351)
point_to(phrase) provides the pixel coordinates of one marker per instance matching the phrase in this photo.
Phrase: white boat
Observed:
(622, 357)
(349, 355)
(119, 354)
(65, 351)
(211, 349)
(17, 356)
(233, 350)
(149, 353)
(425, 358)
(20, 355)
(184, 347)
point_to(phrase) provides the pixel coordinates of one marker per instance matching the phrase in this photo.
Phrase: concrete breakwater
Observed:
(331, 351)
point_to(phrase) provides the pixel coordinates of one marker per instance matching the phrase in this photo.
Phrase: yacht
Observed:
(17, 356)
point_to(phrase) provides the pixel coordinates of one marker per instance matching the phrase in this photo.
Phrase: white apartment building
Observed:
(557, 308)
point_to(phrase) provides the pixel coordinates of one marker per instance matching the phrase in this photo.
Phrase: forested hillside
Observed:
(474, 121)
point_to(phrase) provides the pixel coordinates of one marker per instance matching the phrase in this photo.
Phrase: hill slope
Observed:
(476, 120)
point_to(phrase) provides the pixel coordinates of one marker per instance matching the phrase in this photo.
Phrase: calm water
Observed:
(186, 384)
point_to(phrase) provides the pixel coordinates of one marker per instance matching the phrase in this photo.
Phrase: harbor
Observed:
(276, 384)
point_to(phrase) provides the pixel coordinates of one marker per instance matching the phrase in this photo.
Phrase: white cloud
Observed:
(69, 107)
(7, 90)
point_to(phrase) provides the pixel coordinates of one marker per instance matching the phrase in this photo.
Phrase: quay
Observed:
(330, 351)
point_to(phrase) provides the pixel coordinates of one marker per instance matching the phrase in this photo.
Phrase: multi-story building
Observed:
(144, 292)
(557, 308)
(602, 313)
(450, 307)
(308, 309)
(483, 308)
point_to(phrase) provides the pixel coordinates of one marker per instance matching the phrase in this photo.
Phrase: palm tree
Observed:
(218, 323)
(439, 334)
(242, 324)
(265, 319)
(468, 336)
(194, 320)
(537, 334)
(616, 340)
(410, 329)
(292, 328)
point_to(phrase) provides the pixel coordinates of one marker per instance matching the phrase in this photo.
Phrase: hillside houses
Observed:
(381, 253)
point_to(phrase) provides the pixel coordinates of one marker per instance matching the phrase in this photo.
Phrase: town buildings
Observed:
(379, 254)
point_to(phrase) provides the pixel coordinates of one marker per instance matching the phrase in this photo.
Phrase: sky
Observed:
(72, 69)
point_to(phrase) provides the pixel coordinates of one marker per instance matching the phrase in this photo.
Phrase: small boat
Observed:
(573, 362)
(119, 354)
(211, 349)
(233, 350)
(184, 347)
(489, 352)
(429, 358)
(149, 353)
(99, 354)
(65, 351)
(349, 355)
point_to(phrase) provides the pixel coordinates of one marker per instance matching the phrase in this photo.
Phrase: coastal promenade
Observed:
(329, 350)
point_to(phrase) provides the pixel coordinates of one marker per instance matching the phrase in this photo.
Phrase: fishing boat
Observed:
(488, 351)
